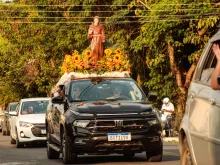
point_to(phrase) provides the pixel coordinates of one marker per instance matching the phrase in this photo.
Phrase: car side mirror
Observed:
(57, 100)
(152, 97)
(13, 113)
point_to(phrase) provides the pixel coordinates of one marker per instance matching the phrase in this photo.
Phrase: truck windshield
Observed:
(107, 89)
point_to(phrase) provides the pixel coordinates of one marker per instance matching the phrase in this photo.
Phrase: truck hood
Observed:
(33, 118)
(115, 108)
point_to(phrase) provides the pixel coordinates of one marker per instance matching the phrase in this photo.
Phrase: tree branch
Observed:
(201, 32)
(147, 6)
(190, 73)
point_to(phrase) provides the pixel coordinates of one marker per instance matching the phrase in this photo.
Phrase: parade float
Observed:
(96, 61)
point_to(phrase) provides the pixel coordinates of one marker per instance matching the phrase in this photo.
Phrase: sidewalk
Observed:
(171, 139)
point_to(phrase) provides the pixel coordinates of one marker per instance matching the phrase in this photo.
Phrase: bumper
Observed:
(100, 144)
(26, 135)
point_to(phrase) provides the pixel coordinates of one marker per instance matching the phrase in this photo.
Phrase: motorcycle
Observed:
(168, 124)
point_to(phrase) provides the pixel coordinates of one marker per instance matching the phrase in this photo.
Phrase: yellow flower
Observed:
(117, 57)
(76, 58)
(108, 51)
(67, 58)
(118, 51)
(88, 53)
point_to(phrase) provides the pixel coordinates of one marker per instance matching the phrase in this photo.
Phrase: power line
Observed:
(72, 5)
(112, 22)
(105, 11)
(166, 15)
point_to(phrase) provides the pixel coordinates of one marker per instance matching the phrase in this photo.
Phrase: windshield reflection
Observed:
(109, 90)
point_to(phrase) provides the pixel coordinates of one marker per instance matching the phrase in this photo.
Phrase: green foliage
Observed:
(34, 39)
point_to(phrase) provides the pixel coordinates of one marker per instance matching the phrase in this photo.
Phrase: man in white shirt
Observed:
(167, 107)
(168, 110)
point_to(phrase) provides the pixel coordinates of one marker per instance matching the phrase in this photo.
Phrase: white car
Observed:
(28, 123)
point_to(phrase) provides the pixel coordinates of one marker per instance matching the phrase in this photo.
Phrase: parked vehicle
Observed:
(28, 124)
(103, 115)
(1, 120)
(6, 118)
(199, 137)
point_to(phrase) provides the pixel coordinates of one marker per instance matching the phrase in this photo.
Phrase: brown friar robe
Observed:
(96, 34)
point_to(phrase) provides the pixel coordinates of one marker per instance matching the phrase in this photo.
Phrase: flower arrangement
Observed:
(112, 60)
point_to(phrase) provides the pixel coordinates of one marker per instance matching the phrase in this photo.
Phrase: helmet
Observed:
(166, 100)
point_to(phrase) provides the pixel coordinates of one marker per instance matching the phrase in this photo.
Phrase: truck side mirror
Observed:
(13, 113)
(152, 97)
(57, 100)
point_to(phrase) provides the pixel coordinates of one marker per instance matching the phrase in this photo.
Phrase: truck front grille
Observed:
(131, 125)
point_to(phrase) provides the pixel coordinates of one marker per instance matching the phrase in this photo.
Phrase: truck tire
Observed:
(19, 144)
(68, 156)
(7, 132)
(186, 158)
(3, 132)
(51, 153)
(13, 141)
(155, 156)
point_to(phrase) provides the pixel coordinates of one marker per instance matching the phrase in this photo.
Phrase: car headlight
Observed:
(81, 123)
(25, 124)
(153, 122)
(145, 113)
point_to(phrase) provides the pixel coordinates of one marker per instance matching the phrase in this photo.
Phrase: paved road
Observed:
(36, 155)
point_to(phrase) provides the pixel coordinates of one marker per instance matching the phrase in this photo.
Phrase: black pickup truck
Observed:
(103, 115)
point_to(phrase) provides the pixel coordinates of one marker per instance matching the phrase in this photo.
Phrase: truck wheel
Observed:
(68, 156)
(13, 141)
(186, 158)
(8, 132)
(51, 153)
(3, 132)
(19, 144)
(155, 156)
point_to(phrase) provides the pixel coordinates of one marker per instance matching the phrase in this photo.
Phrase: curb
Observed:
(171, 139)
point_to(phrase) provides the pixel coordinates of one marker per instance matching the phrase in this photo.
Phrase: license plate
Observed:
(43, 131)
(119, 136)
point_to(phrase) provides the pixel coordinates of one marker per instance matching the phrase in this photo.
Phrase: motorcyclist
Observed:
(168, 111)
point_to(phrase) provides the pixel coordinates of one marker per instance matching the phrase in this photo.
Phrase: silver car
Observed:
(199, 138)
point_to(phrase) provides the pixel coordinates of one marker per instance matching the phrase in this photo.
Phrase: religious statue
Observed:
(96, 34)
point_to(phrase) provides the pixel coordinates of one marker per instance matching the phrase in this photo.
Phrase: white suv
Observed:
(199, 137)
(28, 124)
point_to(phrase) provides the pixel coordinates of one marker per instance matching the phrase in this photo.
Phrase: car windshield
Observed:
(34, 107)
(13, 106)
(106, 89)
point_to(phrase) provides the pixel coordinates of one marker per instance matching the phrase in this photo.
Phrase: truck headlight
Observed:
(153, 122)
(25, 124)
(145, 113)
(81, 123)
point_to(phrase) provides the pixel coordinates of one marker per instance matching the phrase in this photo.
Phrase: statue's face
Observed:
(96, 21)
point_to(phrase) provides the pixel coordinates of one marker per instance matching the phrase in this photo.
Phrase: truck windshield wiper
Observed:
(77, 100)
(115, 99)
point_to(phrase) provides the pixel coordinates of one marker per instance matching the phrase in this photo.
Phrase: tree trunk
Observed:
(181, 100)
(175, 70)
